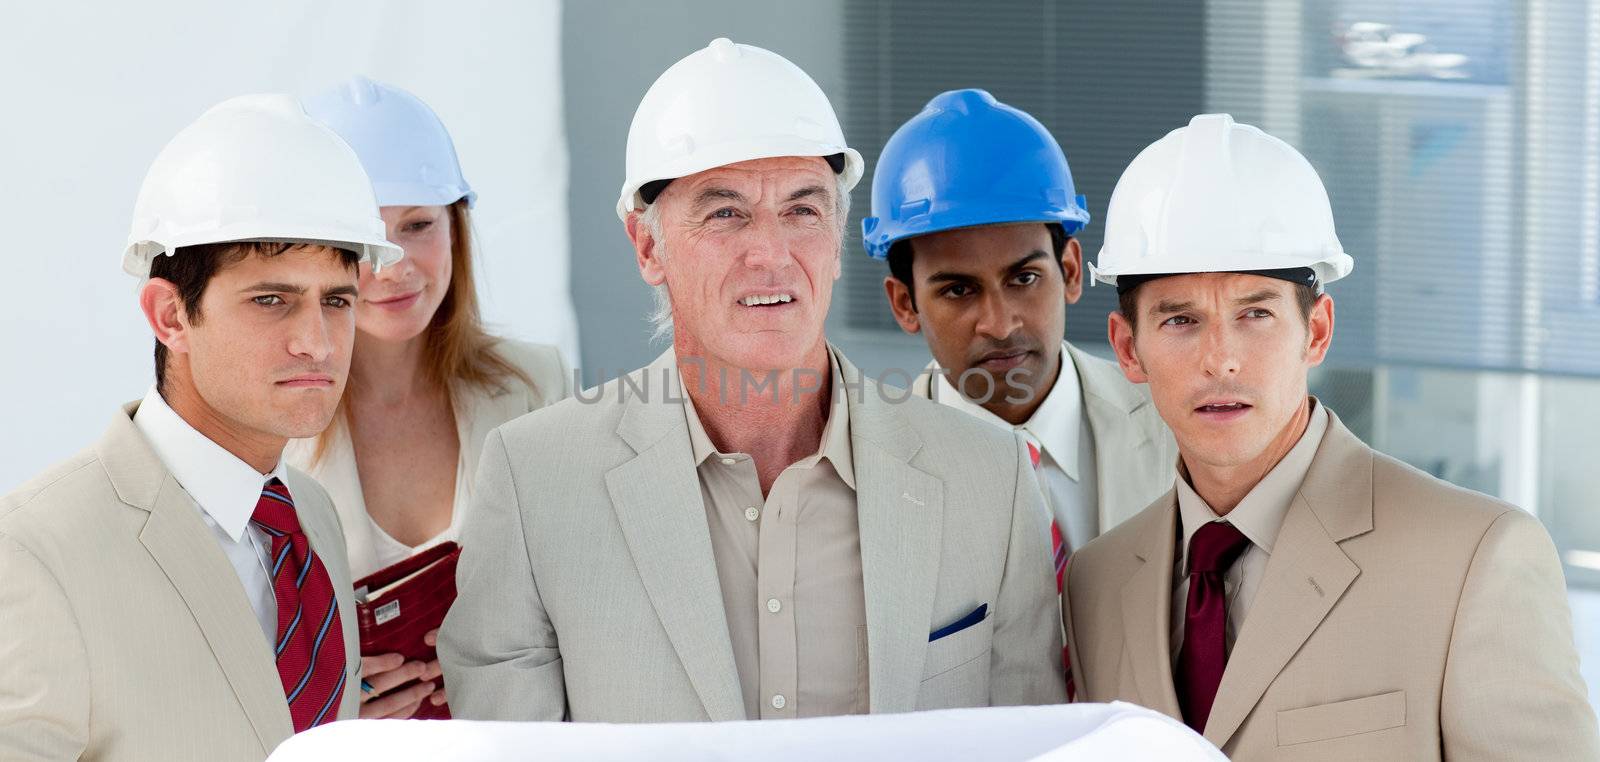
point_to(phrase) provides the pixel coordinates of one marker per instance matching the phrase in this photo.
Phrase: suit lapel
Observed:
(1147, 612)
(187, 552)
(1111, 404)
(656, 496)
(900, 512)
(1304, 578)
(184, 548)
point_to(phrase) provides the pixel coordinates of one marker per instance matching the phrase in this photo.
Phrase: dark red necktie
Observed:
(1204, 653)
(310, 642)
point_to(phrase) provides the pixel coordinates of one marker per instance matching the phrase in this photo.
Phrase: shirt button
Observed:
(728, 461)
(774, 606)
(779, 702)
(752, 513)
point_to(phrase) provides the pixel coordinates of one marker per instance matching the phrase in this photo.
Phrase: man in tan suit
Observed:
(175, 591)
(747, 528)
(1298, 595)
(975, 210)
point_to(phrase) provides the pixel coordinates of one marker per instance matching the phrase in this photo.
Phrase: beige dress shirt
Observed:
(790, 570)
(1060, 429)
(1258, 517)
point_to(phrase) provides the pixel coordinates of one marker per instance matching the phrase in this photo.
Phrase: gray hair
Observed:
(661, 314)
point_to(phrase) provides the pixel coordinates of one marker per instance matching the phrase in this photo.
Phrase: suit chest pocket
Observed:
(959, 649)
(1342, 718)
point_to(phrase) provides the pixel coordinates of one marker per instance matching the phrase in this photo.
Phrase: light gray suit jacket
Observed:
(588, 589)
(124, 631)
(1135, 457)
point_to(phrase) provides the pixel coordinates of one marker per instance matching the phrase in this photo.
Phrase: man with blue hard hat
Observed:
(974, 207)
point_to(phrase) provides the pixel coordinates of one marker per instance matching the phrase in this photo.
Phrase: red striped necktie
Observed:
(1058, 554)
(310, 642)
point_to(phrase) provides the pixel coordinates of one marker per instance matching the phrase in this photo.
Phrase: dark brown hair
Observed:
(190, 270)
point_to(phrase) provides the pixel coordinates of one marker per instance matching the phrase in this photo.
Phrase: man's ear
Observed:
(646, 249)
(901, 303)
(1120, 331)
(163, 310)
(1072, 270)
(1319, 327)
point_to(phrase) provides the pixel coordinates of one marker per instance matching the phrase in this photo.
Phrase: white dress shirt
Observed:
(226, 490)
(1060, 430)
(1258, 517)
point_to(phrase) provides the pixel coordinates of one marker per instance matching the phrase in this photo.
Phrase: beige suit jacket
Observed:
(588, 589)
(1135, 455)
(124, 631)
(1399, 618)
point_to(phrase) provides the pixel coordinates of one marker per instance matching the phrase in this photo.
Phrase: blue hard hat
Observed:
(402, 144)
(966, 160)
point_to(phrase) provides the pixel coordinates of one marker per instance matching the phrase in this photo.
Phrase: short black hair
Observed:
(900, 256)
(1128, 303)
(190, 270)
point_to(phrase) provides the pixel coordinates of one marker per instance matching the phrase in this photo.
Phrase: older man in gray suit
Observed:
(747, 528)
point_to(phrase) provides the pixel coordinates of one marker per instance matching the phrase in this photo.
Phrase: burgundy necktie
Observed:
(310, 642)
(1204, 652)
(1058, 555)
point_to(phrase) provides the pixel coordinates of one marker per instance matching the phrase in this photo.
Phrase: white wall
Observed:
(92, 91)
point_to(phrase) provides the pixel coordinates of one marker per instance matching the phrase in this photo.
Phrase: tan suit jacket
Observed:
(1399, 618)
(124, 631)
(588, 588)
(1135, 455)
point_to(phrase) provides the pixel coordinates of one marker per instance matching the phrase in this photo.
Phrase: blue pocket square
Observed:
(978, 614)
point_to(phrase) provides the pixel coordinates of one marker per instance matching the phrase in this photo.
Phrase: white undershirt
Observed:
(225, 489)
(1066, 456)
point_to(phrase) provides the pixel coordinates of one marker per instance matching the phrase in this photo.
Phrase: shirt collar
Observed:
(1055, 424)
(225, 487)
(835, 444)
(1260, 514)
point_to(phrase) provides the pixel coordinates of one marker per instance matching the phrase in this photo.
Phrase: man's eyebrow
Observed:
(1168, 307)
(945, 276)
(286, 288)
(1257, 297)
(809, 190)
(1027, 260)
(345, 290)
(715, 194)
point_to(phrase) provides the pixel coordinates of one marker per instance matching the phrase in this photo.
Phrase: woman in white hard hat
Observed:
(427, 383)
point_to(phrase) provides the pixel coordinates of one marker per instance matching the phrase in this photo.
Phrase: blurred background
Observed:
(1459, 141)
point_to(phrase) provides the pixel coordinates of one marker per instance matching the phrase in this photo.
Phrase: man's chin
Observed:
(766, 350)
(300, 421)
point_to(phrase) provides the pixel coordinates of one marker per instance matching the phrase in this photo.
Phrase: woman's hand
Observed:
(386, 672)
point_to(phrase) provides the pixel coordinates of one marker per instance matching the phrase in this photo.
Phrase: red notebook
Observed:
(397, 606)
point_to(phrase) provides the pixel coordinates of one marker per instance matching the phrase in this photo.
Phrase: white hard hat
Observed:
(402, 144)
(724, 104)
(256, 168)
(1216, 196)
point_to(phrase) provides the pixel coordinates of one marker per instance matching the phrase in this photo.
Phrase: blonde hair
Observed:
(456, 350)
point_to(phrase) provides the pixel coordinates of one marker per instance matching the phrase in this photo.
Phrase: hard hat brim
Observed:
(1329, 268)
(733, 152)
(379, 252)
(886, 235)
